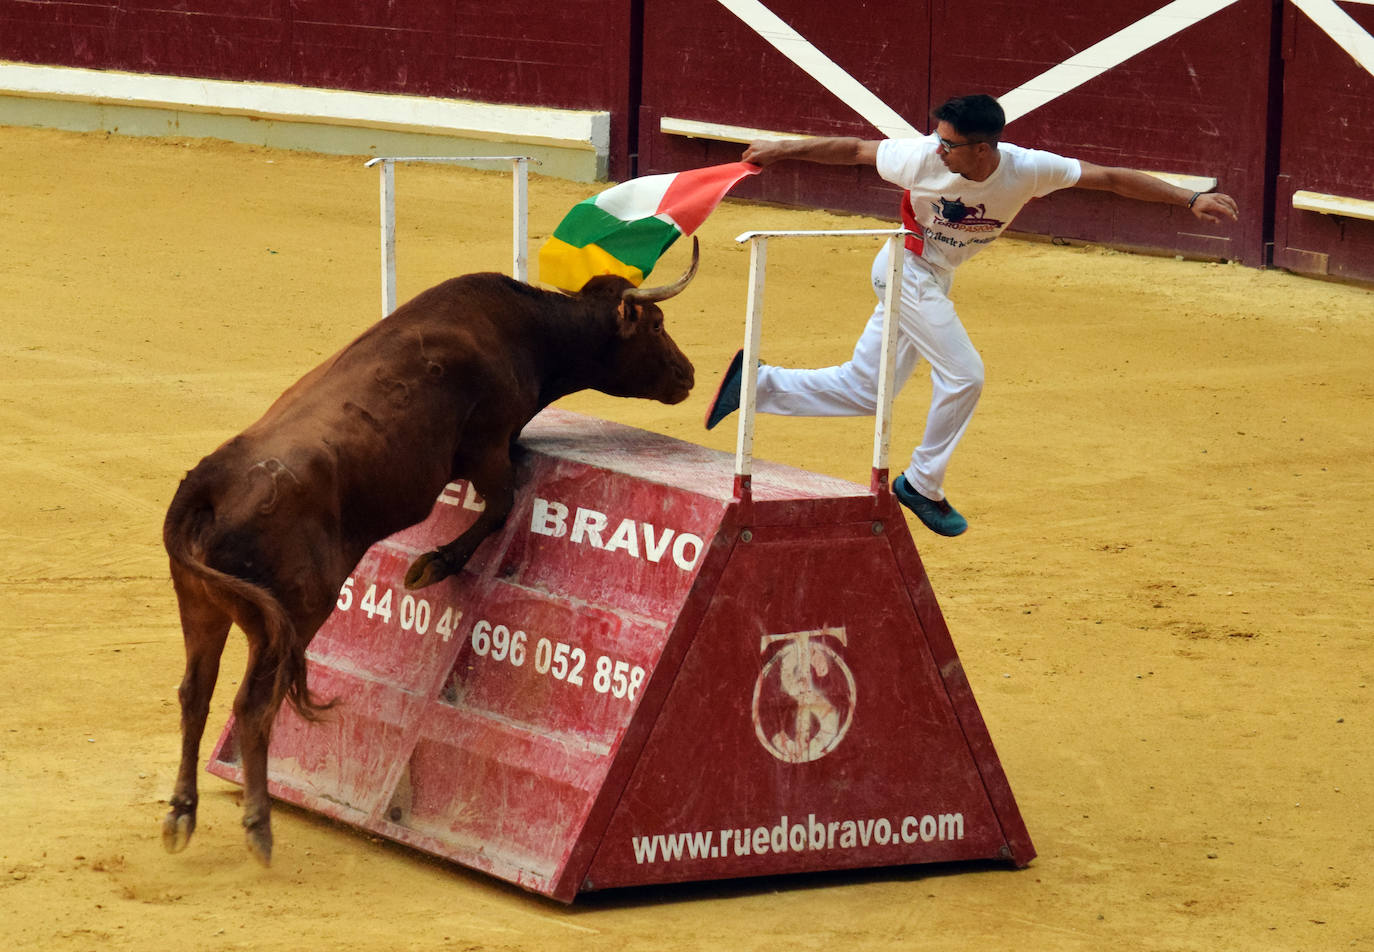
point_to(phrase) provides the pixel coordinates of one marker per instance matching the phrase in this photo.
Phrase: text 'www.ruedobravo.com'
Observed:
(810, 834)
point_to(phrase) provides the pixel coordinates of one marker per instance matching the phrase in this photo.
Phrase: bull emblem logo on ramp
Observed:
(804, 696)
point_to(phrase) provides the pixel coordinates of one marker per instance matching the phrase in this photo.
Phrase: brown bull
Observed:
(265, 530)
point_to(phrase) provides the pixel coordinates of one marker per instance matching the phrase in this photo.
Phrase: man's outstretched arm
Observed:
(1208, 206)
(824, 150)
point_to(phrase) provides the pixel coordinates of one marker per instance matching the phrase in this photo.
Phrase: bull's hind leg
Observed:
(204, 627)
(254, 711)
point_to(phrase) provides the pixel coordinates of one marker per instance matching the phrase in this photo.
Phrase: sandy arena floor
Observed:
(1164, 603)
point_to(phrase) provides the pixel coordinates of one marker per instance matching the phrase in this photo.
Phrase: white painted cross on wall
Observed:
(1168, 20)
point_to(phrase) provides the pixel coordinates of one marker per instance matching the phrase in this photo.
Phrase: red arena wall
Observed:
(1178, 106)
(569, 55)
(1272, 99)
(735, 78)
(1326, 145)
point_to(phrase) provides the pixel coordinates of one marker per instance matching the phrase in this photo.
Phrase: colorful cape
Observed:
(625, 229)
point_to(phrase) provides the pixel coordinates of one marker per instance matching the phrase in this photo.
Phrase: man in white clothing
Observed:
(963, 186)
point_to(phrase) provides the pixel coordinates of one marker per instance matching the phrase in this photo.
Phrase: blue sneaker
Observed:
(939, 516)
(726, 400)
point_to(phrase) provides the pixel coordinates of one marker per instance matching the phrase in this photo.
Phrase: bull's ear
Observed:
(626, 319)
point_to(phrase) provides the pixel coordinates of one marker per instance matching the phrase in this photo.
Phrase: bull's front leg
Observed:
(498, 492)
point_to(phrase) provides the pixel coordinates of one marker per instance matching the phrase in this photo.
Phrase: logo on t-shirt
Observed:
(954, 213)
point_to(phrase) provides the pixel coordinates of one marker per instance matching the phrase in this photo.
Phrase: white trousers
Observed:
(930, 328)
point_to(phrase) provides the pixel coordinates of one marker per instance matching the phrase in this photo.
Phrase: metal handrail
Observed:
(753, 326)
(520, 201)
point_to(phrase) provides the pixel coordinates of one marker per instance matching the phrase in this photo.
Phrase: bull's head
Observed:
(645, 362)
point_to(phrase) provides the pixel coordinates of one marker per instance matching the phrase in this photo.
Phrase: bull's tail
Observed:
(190, 518)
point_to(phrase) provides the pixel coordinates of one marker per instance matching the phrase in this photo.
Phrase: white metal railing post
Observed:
(520, 270)
(519, 203)
(887, 370)
(388, 197)
(753, 335)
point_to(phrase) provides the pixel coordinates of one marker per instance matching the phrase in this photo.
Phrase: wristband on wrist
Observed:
(1193, 199)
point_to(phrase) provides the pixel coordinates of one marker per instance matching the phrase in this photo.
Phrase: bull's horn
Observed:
(654, 295)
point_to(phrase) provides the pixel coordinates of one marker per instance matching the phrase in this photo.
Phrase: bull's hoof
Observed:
(259, 839)
(177, 828)
(426, 570)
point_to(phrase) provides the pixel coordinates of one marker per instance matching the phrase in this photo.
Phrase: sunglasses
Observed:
(951, 146)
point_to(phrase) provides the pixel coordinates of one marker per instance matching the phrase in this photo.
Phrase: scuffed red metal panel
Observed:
(813, 693)
(343, 766)
(500, 718)
(702, 62)
(499, 798)
(398, 637)
(491, 682)
(482, 716)
(941, 646)
(640, 554)
(1327, 146)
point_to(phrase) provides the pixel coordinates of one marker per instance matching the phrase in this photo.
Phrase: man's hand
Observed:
(1213, 206)
(841, 150)
(1129, 183)
(764, 152)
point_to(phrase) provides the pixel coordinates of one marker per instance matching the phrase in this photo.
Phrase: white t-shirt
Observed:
(958, 216)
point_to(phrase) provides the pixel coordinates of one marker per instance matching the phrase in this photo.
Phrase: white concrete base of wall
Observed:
(568, 144)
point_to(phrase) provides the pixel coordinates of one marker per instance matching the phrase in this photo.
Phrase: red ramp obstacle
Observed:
(650, 676)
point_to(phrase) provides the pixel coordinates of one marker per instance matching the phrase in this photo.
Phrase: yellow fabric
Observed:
(568, 267)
